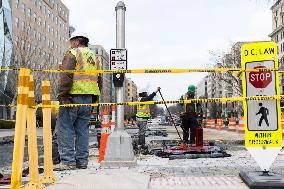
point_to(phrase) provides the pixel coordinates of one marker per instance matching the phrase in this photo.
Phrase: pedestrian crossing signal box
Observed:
(118, 79)
(118, 61)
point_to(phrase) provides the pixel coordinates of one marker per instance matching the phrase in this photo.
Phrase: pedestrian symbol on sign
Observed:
(264, 112)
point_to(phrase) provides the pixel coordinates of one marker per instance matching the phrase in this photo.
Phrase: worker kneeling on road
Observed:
(190, 116)
(143, 114)
(77, 88)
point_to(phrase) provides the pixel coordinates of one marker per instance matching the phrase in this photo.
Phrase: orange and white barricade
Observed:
(211, 123)
(241, 127)
(207, 123)
(219, 124)
(232, 125)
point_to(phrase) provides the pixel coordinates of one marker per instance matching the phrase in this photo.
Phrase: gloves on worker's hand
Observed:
(65, 99)
(158, 89)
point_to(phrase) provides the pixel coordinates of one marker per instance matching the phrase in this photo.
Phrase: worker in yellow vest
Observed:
(77, 87)
(143, 114)
(190, 116)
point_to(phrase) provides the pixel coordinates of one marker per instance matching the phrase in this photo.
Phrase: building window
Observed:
(39, 21)
(34, 33)
(29, 12)
(23, 26)
(52, 31)
(48, 28)
(17, 22)
(44, 24)
(28, 30)
(39, 4)
(44, 9)
(23, 7)
(48, 13)
(35, 2)
(34, 17)
(39, 36)
(17, 3)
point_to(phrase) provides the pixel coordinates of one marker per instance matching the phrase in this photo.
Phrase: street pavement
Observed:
(153, 172)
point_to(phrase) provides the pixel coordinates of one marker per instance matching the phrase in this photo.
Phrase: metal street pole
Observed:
(119, 149)
(120, 44)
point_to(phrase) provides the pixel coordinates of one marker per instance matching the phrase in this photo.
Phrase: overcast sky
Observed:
(173, 34)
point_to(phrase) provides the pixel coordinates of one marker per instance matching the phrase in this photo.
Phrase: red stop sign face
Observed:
(260, 79)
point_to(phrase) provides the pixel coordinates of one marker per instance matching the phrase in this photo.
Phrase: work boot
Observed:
(64, 167)
(81, 166)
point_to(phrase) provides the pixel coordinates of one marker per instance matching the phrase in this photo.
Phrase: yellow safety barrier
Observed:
(20, 128)
(49, 176)
(32, 141)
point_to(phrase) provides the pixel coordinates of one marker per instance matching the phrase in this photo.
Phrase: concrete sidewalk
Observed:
(122, 178)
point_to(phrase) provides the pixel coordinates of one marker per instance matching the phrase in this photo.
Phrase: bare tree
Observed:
(230, 83)
(29, 52)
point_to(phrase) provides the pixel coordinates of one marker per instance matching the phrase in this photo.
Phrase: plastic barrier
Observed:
(219, 124)
(112, 123)
(232, 125)
(20, 128)
(104, 135)
(32, 141)
(48, 176)
(241, 126)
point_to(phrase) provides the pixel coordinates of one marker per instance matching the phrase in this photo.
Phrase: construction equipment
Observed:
(170, 115)
(184, 151)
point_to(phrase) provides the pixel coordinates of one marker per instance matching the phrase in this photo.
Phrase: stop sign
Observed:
(260, 79)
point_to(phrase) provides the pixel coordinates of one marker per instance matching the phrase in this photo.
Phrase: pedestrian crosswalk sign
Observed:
(263, 132)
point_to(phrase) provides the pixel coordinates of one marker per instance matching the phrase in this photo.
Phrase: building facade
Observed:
(226, 85)
(6, 49)
(130, 95)
(38, 32)
(277, 34)
(202, 92)
(107, 92)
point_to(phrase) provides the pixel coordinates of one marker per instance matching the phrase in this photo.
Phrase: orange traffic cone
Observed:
(104, 135)
(112, 123)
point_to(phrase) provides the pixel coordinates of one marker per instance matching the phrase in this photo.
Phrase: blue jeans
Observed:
(73, 131)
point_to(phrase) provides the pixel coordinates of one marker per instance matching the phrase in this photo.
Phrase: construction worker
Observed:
(191, 116)
(77, 88)
(142, 116)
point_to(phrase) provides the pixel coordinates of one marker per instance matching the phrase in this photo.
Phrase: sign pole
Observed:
(119, 149)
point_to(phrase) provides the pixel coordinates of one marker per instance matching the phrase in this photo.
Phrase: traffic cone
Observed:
(112, 124)
(104, 135)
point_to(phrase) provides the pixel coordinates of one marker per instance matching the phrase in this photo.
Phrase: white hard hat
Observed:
(78, 34)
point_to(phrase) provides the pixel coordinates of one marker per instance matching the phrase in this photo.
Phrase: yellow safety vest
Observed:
(85, 83)
(185, 105)
(143, 111)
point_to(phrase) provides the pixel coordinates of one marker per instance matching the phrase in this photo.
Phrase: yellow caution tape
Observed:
(212, 100)
(237, 71)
